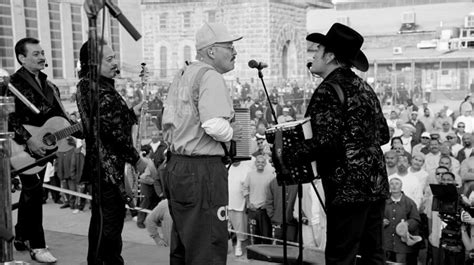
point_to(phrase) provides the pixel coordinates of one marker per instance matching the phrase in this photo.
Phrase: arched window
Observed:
(163, 62)
(187, 53)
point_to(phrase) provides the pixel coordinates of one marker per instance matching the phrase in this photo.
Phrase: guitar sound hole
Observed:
(49, 139)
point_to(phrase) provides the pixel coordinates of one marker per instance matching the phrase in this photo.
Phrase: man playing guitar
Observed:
(35, 86)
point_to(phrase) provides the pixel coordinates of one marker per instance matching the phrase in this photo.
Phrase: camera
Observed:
(446, 202)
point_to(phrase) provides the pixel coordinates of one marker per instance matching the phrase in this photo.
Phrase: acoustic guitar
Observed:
(51, 134)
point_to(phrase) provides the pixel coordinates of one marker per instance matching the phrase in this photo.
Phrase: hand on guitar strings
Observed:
(35, 146)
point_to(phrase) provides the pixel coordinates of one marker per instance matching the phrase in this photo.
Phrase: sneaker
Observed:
(42, 255)
(238, 251)
(75, 211)
(135, 218)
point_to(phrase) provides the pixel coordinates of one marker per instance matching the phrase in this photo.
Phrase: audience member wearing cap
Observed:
(195, 129)
(399, 208)
(360, 122)
(418, 125)
(285, 117)
(422, 147)
(466, 118)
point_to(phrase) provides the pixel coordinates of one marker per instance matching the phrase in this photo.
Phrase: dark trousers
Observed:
(148, 201)
(198, 194)
(260, 225)
(106, 225)
(291, 232)
(53, 181)
(30, 210)
(355, 229)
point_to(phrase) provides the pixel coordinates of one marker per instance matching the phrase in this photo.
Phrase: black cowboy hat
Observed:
(345, 42)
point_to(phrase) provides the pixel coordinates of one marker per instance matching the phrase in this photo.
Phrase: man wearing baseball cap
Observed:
(196, 121)
(348, 130)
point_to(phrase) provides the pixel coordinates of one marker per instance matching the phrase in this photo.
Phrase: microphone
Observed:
(117, 71)
(257, 65)
(308, 65)
(45, 65)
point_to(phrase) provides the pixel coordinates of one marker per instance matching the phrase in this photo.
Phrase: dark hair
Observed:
(20, 46)
(84, 57)
(395, 138)
(339, 59)
(449, 173)
(443, 167)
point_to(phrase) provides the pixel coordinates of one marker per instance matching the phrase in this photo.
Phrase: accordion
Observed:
(281, 137)
(240, 149)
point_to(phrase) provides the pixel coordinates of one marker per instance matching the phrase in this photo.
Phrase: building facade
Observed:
(417, 45)
(274, 32)
(62, 28)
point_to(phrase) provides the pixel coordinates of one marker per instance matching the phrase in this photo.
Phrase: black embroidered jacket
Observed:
(346, 140)
(115, 122)
(45, 97)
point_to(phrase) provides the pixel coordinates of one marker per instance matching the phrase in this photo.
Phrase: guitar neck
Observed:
(61, 134)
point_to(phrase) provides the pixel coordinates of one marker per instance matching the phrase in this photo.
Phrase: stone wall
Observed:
(267, 26)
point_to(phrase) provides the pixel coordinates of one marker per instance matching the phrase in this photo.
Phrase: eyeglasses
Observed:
(449, 137)
(460, 126)
(231, 48)
(424, 137)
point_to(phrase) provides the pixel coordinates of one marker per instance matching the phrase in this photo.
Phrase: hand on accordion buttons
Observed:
(238, 132)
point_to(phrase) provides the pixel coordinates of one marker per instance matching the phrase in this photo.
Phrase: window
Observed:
(31, 18)
(187, 19)
(56, 43)
(6, 37)
(76, 21)
(163, 62)
(163, 18)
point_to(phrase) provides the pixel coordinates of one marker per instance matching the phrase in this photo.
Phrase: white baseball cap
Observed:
(211, 33)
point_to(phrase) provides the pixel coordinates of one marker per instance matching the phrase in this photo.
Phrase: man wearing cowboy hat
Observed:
(348, 129)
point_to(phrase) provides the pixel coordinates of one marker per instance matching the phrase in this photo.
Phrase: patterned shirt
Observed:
(346, 140)
(115, 123)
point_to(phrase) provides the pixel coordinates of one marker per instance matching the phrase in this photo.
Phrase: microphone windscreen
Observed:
(309, 64)
(253, 64)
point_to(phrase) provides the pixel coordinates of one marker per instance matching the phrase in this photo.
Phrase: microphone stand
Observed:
(283, 185)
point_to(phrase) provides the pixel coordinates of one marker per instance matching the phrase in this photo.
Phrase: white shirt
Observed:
(237, 176)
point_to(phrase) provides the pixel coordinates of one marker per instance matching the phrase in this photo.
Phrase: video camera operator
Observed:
(447, 217)
(467, 228)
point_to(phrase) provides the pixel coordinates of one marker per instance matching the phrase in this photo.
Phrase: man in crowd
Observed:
(255, 189)
(195, 180)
